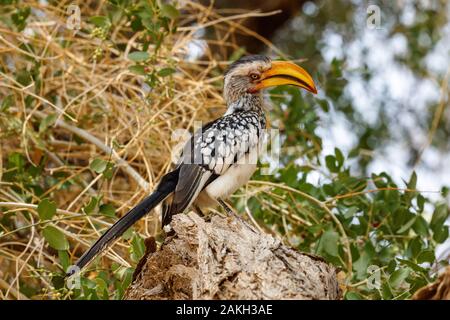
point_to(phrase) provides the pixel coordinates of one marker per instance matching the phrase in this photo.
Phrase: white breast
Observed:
(236, 176)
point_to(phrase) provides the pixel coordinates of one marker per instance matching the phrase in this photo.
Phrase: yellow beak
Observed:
(283, 72)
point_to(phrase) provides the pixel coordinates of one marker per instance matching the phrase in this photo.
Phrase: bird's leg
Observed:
(199, 211)
(229, 211)
(226, 207)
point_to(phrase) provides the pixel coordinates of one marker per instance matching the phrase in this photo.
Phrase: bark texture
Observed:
(438, 290)
(226, 258)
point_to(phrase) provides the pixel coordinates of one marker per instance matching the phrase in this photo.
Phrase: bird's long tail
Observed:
(165, 187)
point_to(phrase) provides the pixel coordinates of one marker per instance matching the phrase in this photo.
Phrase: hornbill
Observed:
(221, 156)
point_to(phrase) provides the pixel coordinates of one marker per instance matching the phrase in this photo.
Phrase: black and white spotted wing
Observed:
(211, 151)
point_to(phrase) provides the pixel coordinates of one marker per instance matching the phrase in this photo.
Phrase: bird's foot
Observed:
(227, 208)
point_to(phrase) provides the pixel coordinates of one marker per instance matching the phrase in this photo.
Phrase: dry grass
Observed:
(100, 102)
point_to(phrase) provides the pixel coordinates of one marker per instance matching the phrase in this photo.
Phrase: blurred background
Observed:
(91, 93)
(383, 72)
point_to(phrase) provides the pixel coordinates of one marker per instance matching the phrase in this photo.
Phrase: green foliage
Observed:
(107, 209)
(46, 209)
(55, 238)
(328, 203)
(102, 166)
(169, 11)
(155, 20)
(91, 206)
(348, 219)
(98, 165)
(329, 33)
(34, 172)
(139, 56)
(47, 122)
(137, 248)
(19, 17)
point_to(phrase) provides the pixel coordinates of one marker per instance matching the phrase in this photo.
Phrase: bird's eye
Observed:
(254, 76)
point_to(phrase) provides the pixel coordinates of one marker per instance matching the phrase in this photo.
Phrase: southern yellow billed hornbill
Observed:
(222, 155)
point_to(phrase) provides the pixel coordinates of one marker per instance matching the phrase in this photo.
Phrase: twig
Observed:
(5, 285)
(108, 150)
(327, 210)
(437, 116)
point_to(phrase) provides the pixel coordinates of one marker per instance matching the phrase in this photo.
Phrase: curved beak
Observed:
(283, 72)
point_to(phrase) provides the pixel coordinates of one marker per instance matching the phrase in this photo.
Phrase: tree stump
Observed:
(227, 258)
(438, 290)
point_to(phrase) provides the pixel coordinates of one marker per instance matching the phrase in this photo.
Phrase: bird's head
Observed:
(251, 74)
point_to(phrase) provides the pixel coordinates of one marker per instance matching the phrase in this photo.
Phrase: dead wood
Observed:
(226, 258)
(438, 290)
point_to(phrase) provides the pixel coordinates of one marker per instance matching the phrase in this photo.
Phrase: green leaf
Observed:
(128, 234)
(98, 165)
(412, 181)
(46, 209)
(439, 216)
(137, 247)
(108, 173)
(138, 69)
(420, 202)
(55, 238)
(331, 163)
(64, 259)
(421, 226)
(169, 11)
(16, 161)
(166, 72)
(90, 207)
(426, 256)
(413, 266)
(445, 191)
(414, 247)
(407, 225)
(339, 157)
(127, 277)
(398, 277)
(47, 122)
(324, 105)
(441, 234)
(411, 185)
(101, 286)
(108, 210)
(100, 21)
(350, 212)
(391, 266)
(6, 103)
(361, 265)
(329, 242)
(329, 189)
(386, 292)
(19, 18)
(57, 281)
(353, 296)
(139, 56)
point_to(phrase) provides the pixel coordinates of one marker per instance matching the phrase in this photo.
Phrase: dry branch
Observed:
(226, 258)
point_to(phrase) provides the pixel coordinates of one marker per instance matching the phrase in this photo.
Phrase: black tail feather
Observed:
(166, 186)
